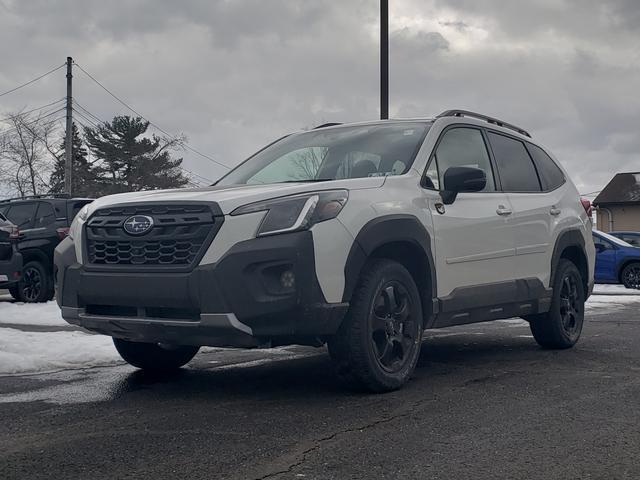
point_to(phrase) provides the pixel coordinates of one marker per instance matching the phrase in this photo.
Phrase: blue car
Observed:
(616, 261)
(632, 238)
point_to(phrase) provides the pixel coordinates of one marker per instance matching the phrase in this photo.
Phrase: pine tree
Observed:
(84, 182)
(129, 160)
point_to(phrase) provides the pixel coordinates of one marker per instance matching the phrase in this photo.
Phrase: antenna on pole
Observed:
(68, 160)
(384, 59)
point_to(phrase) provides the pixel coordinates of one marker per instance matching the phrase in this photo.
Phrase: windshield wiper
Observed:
(310, 180)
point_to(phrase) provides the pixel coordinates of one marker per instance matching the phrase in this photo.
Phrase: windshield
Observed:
(613, 239)
(334, 153)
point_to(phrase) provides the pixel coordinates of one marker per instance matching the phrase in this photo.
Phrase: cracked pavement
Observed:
(485, 402)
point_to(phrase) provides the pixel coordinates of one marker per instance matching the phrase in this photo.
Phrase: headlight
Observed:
(77, 222)
(297, 212)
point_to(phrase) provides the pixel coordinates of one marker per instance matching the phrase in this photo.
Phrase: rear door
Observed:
(535, 212)
(474, 244)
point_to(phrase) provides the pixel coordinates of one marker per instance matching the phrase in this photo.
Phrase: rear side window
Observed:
(46, 215)
(515, 166)
(22, 215)
(550, 174)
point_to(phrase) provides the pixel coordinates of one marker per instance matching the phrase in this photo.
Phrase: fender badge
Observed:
(440, 208)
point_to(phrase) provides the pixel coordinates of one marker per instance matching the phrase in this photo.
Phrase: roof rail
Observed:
(32, 197)
(495, 121)
(331, 124)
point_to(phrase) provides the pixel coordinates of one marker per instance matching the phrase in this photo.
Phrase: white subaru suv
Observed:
(358, 236)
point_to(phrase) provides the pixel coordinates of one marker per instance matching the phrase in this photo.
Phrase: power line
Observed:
(11, 117)
(98, 119)
(26, 124)
(150, 122)
(31, 81)
(91, 122)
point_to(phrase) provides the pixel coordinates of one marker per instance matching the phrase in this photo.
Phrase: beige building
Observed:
(618, 205)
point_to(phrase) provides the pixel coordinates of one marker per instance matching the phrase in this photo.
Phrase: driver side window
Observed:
(601, 244)
(459, 147)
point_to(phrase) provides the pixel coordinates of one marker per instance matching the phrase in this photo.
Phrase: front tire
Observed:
(378, 344)
(631, 275)
(154, 357)
(561, 326)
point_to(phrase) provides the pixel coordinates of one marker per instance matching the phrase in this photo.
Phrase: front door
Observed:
(474, 241)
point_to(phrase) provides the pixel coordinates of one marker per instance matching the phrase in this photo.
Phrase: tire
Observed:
(630, 275)
(561, 327)
(378, 344)
(153, 357)
(36, 284)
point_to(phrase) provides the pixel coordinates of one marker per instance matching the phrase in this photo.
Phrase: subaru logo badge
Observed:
(138, 225)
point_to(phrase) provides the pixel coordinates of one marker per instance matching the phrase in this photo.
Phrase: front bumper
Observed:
(11, 270)
(238, 301)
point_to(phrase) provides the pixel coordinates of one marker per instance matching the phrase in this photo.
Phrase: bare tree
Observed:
(307, 162)
(27, 154)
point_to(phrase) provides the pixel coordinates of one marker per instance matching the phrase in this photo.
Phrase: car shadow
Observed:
(313, 376)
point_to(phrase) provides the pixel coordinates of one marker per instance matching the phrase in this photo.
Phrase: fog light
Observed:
(288, 279)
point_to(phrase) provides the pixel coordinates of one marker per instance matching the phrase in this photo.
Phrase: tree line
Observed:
(110, 157)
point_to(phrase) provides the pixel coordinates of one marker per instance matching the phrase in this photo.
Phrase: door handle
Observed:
(555, 211)
(502, 210)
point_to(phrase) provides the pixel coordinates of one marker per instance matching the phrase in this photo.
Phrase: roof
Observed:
(623, 188)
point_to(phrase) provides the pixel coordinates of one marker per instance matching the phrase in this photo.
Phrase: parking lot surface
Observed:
(485, 402)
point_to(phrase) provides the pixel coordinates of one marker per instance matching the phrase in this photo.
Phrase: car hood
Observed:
(233, 196)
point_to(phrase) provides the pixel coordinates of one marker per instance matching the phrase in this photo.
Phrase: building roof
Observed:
(623, 188)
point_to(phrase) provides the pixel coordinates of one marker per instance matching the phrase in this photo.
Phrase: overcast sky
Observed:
(235, 74)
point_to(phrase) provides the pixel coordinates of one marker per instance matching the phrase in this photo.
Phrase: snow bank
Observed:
(604, 289)
(38, 352)
(47, 314)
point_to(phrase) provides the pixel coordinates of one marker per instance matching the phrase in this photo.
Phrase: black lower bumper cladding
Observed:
(262, 290)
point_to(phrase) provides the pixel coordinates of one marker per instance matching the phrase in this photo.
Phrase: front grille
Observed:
(178, 238)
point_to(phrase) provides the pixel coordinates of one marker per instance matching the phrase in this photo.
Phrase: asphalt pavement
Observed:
(485, 402)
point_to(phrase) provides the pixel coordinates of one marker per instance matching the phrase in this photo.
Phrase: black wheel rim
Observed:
(631, 277)
(393, 327)
(570, 304)
(31, 284)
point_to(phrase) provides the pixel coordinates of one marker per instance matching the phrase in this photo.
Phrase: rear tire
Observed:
(561, 326)
(153, 357)
(378, 344)
(36, 285)
(631, 275)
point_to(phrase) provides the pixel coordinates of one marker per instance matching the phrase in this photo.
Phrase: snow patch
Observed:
(40, 352)
(47, 314)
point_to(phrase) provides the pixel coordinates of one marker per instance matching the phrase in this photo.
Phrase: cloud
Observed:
(235, 74)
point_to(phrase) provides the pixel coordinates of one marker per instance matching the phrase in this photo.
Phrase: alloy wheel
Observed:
(631, 277)
(31, 284)
(570, 305)
(393, 326)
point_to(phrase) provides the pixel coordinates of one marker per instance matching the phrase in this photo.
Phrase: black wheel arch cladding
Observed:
(387, 230)
(572, 240)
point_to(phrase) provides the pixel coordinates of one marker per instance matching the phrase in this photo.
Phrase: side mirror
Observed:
(462, 179)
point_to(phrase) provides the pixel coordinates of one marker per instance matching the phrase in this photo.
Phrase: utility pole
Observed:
(68, 160)
(384, 59)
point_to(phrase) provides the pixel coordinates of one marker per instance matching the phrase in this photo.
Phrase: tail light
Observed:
(62, 232)
(586, 204)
